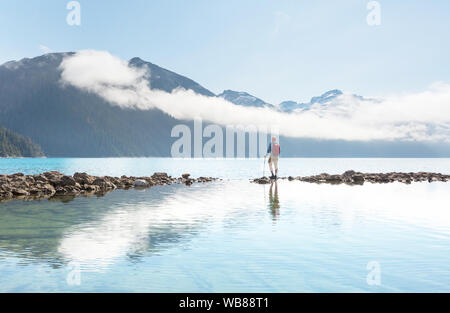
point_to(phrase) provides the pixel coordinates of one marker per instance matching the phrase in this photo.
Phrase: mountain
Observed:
(327, 97)
(15, 145)
(243, 98)
(289, 106)
(69, 122)
(166, 80)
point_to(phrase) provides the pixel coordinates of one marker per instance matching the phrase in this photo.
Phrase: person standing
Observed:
(274, 151)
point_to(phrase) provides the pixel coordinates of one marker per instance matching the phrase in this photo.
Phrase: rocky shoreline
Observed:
(51, 184)
(54, 184)
(358, 178)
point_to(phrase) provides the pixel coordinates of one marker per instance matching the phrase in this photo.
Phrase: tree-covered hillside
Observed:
(15, 145)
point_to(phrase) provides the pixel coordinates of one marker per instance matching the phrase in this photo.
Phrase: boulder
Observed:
(47, 188)
(68, 181)
(19, 192)
(103, 183)
(40, 178)
(99, 181)
(84, 178)
(140, 183)
(127, 182)
(5, 194)
(334, 179)
(349, 173)
(92, 188)
(262, 180)
(161, 175)
(60, 190)
(52, 174)
(358, 179)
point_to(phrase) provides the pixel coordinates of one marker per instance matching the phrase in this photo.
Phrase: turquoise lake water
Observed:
(230, 235)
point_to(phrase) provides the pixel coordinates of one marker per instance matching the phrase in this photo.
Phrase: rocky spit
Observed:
(358, 178)
(52, 184)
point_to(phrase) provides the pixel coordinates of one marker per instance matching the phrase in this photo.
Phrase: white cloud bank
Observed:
(423, 116)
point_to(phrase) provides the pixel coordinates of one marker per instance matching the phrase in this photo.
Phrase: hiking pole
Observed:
(264, 167)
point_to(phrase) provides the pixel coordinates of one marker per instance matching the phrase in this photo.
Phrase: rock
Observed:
(21, 184)
(140, 183)
(84, 178)
(127, 182)
(358, 179)
(18, 179)
(161, 175)
(60, 191)
(349, 173)
(19, 192)
(92, 188)
(5, 195)
(6, 187)
(29, 179)
(103, 183)
(52, 174)
(40, 178)
(99, 181)
(68, 181)
(48, 189)
(185, 176)
(334, 179)
(262, 180)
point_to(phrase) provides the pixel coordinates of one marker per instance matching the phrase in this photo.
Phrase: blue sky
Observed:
(276, 50)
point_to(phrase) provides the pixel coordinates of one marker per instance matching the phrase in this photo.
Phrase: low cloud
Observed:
(423, 116)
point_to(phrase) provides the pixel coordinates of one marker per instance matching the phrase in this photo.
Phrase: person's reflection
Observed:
(274, 203)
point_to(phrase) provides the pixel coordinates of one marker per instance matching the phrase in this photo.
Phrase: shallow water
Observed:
(230, 235)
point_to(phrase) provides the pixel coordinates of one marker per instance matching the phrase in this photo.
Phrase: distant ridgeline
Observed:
(15, 145)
